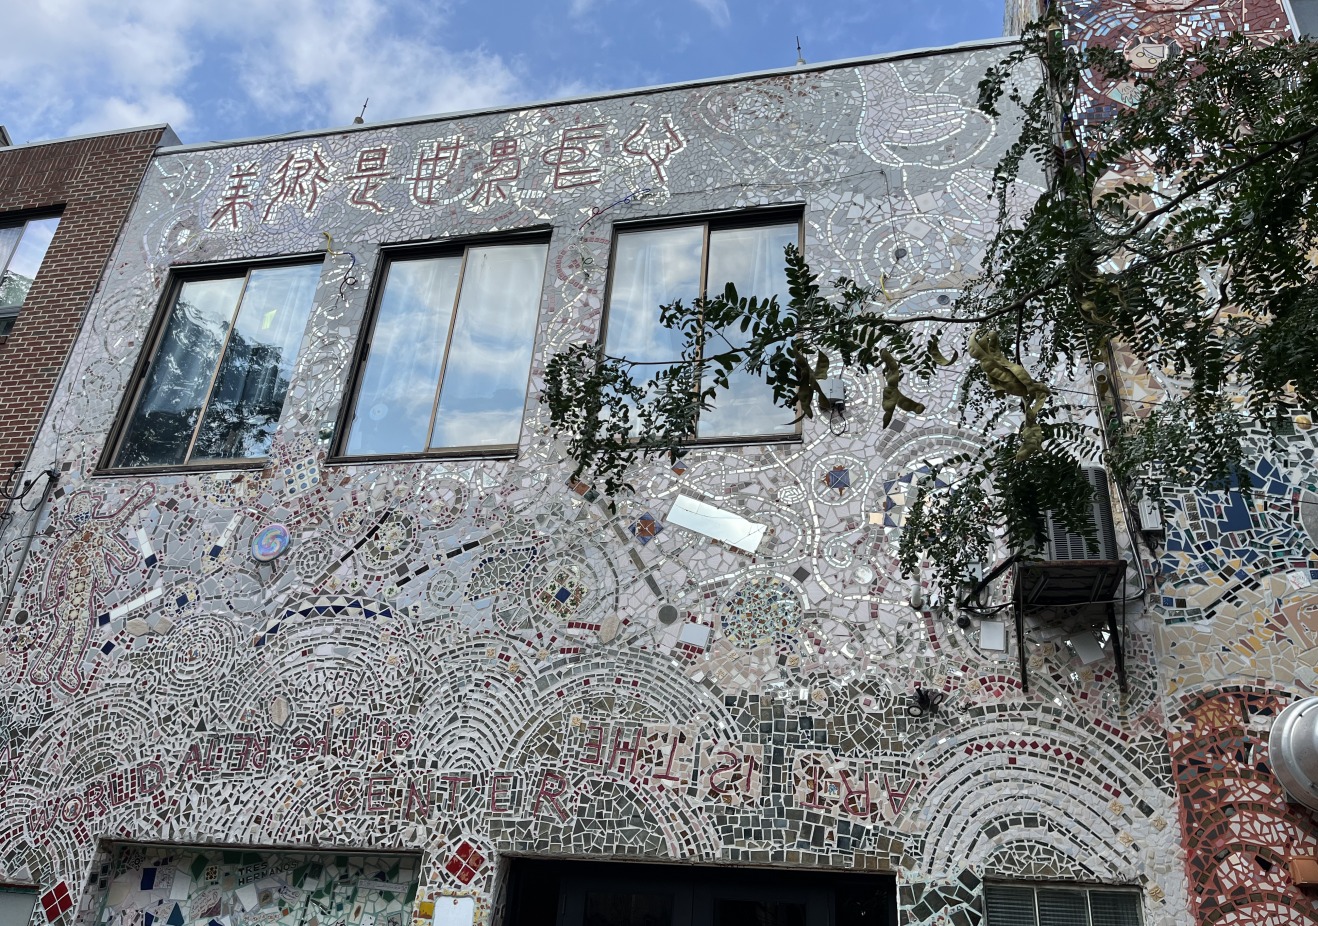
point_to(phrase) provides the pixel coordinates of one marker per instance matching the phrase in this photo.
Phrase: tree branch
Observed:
(1195, 189)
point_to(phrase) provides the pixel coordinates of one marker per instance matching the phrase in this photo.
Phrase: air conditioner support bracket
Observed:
(1118, 649)
(1047, 586)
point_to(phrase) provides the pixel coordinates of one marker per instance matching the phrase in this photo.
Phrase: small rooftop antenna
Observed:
(360, 118)
(800, 59)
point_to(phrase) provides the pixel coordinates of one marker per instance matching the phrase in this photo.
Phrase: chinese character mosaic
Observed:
(467, 658)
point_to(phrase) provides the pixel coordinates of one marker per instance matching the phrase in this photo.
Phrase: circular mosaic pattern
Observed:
(350, 520)
(201, 650)
(244, 593)
(270, 542)
(392, 541)
(791, 495)
(839, 552)
(762, 609)
(442, 587)
(446, 502)
(311, 560)
(838, 477)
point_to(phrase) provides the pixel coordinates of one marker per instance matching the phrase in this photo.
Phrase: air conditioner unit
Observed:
(1061, 544)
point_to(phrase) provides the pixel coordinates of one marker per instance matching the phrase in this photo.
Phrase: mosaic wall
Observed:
(150, 885)
(1235, 599)
(468, 658)
(1236, 606)
(1147, 32)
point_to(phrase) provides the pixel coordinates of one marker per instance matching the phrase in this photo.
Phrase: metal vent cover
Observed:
(1293, 747)
(1067, 545)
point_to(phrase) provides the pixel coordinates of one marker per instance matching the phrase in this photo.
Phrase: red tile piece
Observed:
(56, 901)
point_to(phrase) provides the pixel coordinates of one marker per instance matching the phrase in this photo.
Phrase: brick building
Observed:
(62, 205)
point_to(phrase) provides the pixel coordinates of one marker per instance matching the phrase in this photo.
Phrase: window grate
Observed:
(1060, 905)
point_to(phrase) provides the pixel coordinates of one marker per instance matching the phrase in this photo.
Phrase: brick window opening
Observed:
(23, 247)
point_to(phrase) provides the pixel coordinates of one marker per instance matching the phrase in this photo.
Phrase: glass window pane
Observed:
(483, 395)
(1306, 17)
(1009, 906)
(248, 395)
(16, 906)
(1114, 908)
(9, 235)
(1062, 908)
(651, 269)
(26, 260)
(176, 384)
(397, 395)
(619, 909)
(753, 260)
(758, 913)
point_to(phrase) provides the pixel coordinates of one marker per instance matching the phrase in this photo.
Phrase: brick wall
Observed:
(91, 182)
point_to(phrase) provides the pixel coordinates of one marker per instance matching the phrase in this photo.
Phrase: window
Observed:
(23, 246)
(1060, 905)
(252, 884)
(1306, 17)
(16, 904)
(448, 358)
(653, 267)
(215, 386)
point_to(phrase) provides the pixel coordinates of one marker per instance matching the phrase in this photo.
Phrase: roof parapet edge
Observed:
(976, 45)
(167, 136)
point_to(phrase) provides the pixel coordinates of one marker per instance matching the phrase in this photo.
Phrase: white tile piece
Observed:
(694, 634)
(993, 635)
(716, 523)
(1087, 647)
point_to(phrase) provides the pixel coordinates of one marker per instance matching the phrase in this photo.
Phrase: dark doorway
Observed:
(579, 893)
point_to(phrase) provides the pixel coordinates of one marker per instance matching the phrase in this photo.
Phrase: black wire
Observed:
(50, 474)
(51, 478)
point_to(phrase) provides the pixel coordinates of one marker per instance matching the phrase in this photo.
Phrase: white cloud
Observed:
(118, 113)
(89, 65)
(69, 65)
(717, 10)
(580, 7)
(322, 60)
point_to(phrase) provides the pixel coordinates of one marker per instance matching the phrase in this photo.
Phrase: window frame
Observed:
(423, 250)
(754, 217)
(179, 276)
(1078, 887)
(25, 890)
(21, 220)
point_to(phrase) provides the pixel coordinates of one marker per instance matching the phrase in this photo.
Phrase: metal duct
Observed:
(1293, 747)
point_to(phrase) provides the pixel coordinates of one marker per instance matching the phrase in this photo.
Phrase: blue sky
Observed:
(238, 68)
